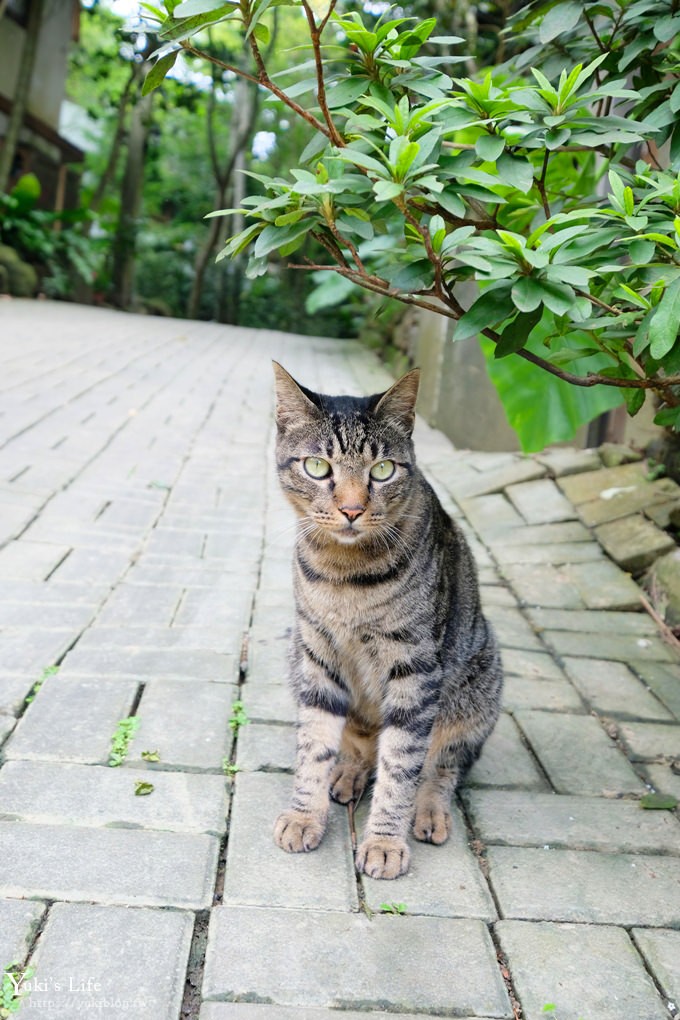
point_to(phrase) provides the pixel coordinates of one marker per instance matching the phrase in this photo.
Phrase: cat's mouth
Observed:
(347, 535)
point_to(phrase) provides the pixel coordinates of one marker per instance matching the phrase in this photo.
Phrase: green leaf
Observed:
(143, 789)
(559, 298)
(641, 251)
(515, 171)
(628, 201)
(236, 244)
(411, 277)
(362, 159)
(666, 29)
(664, 324)
(516, 335)
(451, 203)
(634, 400)
(189, 8)
(345, 92)
(668, 417)
(556, 137)
(273, 237)
(185, 27)
(387, 190)
(332, 290)
(350, 221)
(675, 99)
(491, 307)
(489, 147)
(159, 71)
(541, 408)
(628, 294)
(261, 33)
(562, 18)
(658, 802)
(527, 294)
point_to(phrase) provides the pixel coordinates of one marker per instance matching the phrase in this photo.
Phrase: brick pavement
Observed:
(144, 551)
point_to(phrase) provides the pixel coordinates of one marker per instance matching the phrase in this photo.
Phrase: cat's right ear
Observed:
(292, 404)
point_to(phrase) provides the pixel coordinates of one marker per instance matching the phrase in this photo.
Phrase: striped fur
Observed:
(394, 668)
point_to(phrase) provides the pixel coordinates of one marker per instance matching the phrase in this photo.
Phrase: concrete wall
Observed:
(49, 75)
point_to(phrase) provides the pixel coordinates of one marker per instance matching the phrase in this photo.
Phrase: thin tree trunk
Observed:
(131, 198)
(245, 107)
(115, 150)
(245, 110)
(23, 85)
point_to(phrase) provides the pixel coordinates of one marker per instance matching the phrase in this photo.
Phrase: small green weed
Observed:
(393, 908)
(230, 768)
(143, 789)
(11, 991)
(655, 469)
(120, 741)
(238, 716)
(151, 756)
(48, 671)
(658, 802)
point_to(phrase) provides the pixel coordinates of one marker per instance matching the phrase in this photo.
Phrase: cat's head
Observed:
(346, 463)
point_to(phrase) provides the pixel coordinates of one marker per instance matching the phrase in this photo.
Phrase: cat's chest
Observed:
(354, 622)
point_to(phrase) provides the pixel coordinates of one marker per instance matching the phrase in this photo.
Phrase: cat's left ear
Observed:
(293, 401)
(399, 402)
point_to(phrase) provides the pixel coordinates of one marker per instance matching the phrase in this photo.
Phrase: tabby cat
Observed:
(393, 666)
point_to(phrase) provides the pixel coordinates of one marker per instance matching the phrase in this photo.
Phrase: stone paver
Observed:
(323, 880)
(111, 866)
(187, 724)
(39, 791)
(634, 542)
(112, 962)
(613, 689)
(442, 881)
(661, 950)
(522, 818)
(253, 1011)
(600, 974)
(19, 921)
(577, 754)
(647, 741)
(145, 549)
(72, 720)
(540, 502)
(588, 886)
(296, 957)
(505, 761)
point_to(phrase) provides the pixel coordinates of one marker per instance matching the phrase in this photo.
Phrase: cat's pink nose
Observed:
(352, 512)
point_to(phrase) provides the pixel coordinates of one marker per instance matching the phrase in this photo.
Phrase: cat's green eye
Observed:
(383, 470)
(317, 467)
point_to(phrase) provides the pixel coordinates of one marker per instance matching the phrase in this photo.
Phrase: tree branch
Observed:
(262, 78)
(315, 33)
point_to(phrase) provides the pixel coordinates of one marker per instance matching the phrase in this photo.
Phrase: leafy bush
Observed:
(44, 240)
(528, 181)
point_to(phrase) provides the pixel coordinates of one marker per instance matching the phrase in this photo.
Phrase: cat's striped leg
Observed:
(432, 823)
(402, 748)
(302, 826)
(356, 761)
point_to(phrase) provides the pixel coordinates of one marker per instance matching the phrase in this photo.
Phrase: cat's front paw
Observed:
(383, 857)
(348, 781)
(296, 832)
(432, 822)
